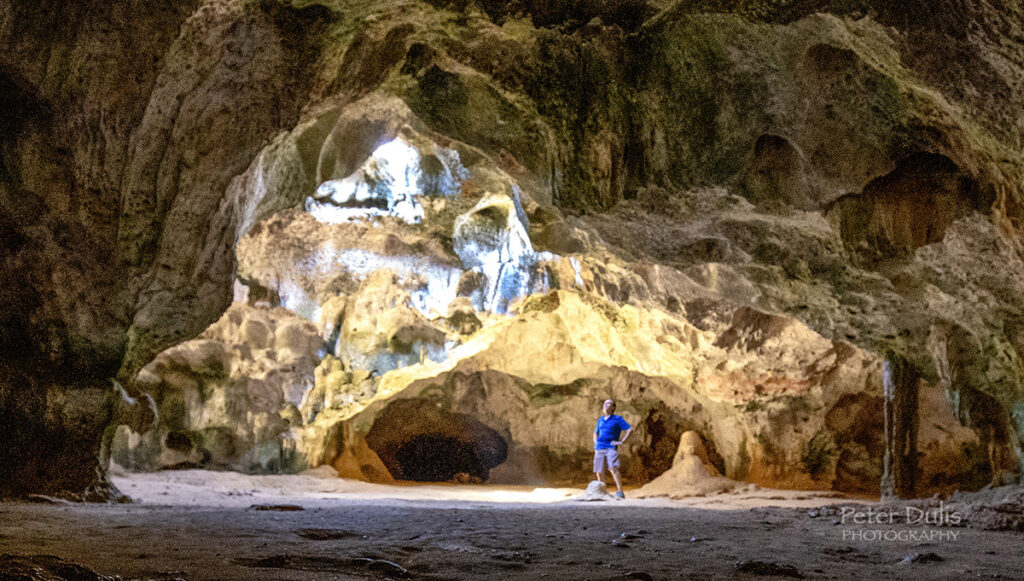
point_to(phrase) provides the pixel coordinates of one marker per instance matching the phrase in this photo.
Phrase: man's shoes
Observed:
(619, 494)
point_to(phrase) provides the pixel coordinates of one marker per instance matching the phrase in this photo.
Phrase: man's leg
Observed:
(599, 465)
(613, 467)
(618, 479)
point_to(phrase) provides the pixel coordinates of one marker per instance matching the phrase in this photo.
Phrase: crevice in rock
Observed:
(178, 441)
(775, 175)
(369, 59)
(991, 422)
(857, 424)
(994, 457)
(255, 294)
(664, 428)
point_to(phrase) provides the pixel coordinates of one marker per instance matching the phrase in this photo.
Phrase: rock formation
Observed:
(595, 491)
(692, 474)
(228, 398)
(459, 226)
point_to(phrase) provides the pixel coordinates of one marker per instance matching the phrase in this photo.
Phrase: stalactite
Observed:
(900, 385)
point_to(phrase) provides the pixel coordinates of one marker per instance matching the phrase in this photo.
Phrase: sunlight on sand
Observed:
(320, 488)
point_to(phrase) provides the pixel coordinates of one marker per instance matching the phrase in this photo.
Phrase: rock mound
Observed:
(691, 473)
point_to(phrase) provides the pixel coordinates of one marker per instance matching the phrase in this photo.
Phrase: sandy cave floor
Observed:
(199, 525)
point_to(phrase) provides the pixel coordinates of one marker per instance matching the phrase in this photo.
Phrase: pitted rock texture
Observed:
(744, 205)
(229, 398)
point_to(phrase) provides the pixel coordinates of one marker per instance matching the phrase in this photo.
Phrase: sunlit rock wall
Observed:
(228, 398)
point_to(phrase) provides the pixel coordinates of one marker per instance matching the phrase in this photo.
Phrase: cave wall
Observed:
(696, 157)
(117, 153)
(67, 301)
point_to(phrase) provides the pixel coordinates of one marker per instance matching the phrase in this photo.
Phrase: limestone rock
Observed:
(390, 183)
(537, 379)
(229, 400)
(691, 474)
(595, 491)
(492, 238)
(728, 265)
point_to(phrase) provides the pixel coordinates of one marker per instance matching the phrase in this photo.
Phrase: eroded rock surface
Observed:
(725, 215)
(228, 398)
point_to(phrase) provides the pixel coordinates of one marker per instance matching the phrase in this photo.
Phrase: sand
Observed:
(200, 525)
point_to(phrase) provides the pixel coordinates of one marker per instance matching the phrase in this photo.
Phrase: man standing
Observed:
(606, 439)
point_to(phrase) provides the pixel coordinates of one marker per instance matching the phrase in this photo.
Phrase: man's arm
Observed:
(624, 436)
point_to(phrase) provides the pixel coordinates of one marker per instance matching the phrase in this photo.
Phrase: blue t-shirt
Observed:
(608, 430)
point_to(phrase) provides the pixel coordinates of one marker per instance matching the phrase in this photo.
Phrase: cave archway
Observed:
(417, 440)
(775, 174)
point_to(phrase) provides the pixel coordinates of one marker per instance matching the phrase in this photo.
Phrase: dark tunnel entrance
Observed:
(436, 458)
(417, 440)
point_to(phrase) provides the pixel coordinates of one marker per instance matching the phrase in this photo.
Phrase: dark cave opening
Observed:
(178, 441)
(438, 458)
(775, 174)
(418, 440)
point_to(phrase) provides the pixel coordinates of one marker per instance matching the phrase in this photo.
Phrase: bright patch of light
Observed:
(431, 298)
(435, 285)
(330, 214)
(537, 495)
(296, 300)
(439, 292)
(389, 184)
(491, 239)
(576, 270)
